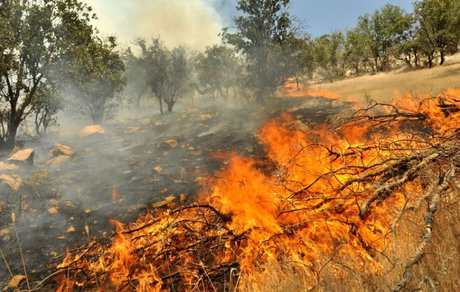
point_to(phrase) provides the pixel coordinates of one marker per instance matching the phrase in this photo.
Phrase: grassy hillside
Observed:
(383, 86)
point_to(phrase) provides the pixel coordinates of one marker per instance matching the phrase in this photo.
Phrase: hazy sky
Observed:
(197, 23)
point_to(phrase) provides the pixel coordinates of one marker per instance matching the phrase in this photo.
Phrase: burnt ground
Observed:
(119, 174)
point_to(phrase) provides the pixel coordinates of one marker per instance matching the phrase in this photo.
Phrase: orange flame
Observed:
(294, 89)
(305, 210)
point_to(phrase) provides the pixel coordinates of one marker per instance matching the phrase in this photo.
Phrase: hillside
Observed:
(382, 86)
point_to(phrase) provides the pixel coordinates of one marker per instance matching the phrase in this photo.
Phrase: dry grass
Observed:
(383, 86)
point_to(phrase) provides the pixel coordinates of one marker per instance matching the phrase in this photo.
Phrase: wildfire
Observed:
(325, 200)
(295, 89)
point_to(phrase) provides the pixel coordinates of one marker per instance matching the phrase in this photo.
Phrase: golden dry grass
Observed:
(383, 86)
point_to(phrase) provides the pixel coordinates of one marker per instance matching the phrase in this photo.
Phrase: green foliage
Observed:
(46, 104)
(439, 27)
(168, 72)
(218, 69)
(266, 38)
(137, 86)
(382, 32)
(357, 51)
(34, 35)
(95, 71)
(329, 53)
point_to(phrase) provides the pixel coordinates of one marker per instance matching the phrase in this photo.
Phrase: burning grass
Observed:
(333, 214)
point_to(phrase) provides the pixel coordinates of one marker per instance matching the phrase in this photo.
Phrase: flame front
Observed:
(314, 201)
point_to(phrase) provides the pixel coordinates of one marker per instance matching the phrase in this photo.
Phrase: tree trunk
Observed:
(170, 106)
(11, 133)
(443, 57)
(430, 60)
(160, 100)
(416, 60)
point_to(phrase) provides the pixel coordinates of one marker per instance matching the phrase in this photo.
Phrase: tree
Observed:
(168, 72)
(409, 48)
(357, 54)
(47, 103)
(384, 29)
(34, 35)
(96, 74)
(218, 69)
(439, 22)
(137, 86)
(266, 38)
(329, 56)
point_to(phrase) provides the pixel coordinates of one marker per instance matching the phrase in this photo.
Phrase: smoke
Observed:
(194, 23)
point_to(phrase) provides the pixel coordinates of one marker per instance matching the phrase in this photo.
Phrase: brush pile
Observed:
(329, 210)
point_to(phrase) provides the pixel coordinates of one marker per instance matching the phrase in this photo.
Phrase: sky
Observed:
(197, 23)
(325, 16)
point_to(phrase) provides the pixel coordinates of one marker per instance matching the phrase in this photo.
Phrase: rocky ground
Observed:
(63, 191)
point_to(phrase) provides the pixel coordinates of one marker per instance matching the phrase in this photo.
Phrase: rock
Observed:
(205, 117)
(158, 169)
(13, 181)
(60, 149)
(24, 155)
(91, 130)
(15, 281)
(6, 166)
(58, 160)
(53, 210)
(168, 144)
(132, 129)
(160, 123)
(165, 202)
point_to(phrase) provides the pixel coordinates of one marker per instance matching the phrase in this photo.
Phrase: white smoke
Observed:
(194, 23)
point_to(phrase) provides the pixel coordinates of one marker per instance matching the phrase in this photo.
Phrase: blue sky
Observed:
(324, 16)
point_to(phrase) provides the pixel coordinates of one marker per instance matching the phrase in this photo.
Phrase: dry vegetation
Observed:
(383, 86)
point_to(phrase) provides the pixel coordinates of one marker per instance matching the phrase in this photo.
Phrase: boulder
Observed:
(24, 155)
(7, 166)
(13, 181)
(91, 130)
(60, 149)
(58, 160)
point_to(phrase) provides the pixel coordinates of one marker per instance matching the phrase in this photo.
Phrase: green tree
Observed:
(439, 22)
(96, 74)
(168, 72)
(384, 30)
(34, 35)
(217, 69)
(329, 56)
(137, 86)
(46, 104)
(266, 38)
(357, 54)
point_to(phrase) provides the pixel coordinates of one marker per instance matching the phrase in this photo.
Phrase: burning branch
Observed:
(332, 203)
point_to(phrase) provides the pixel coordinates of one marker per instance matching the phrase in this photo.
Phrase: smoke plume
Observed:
(195, 23)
